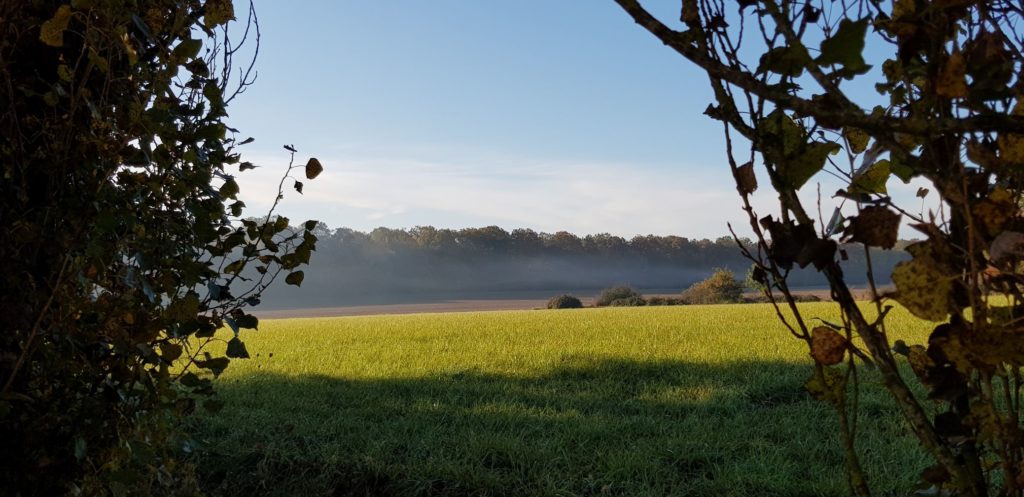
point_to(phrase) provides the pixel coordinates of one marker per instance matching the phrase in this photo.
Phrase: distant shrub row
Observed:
(721, 287)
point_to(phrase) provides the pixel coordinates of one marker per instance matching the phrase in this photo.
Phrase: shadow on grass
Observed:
(587, 427)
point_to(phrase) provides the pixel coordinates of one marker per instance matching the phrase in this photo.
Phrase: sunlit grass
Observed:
(693, 400)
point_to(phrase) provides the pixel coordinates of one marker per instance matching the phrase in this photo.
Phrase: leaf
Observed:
(785, 60)
(1008, 245)
(827, 346)
(995, 210)
(857, 139)
(298, 186)
(874, 226)
(170, 351)
(80, 447)
(829, 386)
(923, 285)
(801, 168)
(952, 80)
(235, 267)
(218, 12)
(294, 278)
(187, 49)
(216, 365)
(229, 189)
(313, 168)
(872, 179)
(245, 166)
(52, 31)
(248, 321)
(247, 141)
(845, 46)
(236, 349)
(746, 181)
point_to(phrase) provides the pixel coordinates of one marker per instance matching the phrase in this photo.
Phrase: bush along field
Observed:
(692, 400)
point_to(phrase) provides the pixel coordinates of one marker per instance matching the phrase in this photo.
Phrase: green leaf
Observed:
(857, 139)
(295, 278)
(235, 267)
(872, 179)
(845, 47)
(170, 351)
(787, 61)
(187, 49)
(798, 170)
(236, 349)
(229, 189)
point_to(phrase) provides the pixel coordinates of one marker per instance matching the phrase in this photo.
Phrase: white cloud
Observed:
(366, 191)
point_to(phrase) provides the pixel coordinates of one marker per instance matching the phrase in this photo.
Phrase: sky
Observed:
(550, 115)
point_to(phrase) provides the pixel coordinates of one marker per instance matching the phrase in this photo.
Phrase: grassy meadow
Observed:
(689, 400)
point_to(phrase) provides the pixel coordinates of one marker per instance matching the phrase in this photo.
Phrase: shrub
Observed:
(721, 287)
(634, 301)
(612, 294)
(564, 302)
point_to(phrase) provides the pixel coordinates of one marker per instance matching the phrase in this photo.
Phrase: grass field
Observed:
(691, 400)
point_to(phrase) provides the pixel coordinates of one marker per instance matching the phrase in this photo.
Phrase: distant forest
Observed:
(429, 264)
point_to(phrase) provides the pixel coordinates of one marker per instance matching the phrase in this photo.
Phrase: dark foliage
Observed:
(609, 295)
(123, 243)
(564, 302)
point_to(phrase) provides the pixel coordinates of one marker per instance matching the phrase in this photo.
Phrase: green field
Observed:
(690, 400)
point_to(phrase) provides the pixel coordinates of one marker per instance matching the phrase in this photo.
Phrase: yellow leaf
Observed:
(52, 31)
(858, 139)
(218, 12)
(923, 285)
(952, 81)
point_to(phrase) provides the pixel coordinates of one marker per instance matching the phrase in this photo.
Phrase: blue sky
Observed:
(530, 113)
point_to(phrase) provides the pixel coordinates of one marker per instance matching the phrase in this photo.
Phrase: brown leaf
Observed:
(995, 210)
(1009, 244)
(313, 168)
(952, 81)
(875, 226)
(827, 346)
(745, 178)
(218, 12)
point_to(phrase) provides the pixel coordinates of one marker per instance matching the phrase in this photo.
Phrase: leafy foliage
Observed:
(124, 246)
(609, 295)
(953, 118)
(721, 287)
(564, 302)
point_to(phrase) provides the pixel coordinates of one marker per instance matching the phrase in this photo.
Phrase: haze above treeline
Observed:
(424, 264)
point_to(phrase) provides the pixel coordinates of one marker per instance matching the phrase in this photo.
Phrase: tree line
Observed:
(388, 265)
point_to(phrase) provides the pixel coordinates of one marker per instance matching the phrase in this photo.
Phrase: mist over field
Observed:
(426, 264)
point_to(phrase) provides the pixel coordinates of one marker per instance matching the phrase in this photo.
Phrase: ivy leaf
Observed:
(313, 168)
(236, 349)
(295, 278)
(52, 31)
(845, 47)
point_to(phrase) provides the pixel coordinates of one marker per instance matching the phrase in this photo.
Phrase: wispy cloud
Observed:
(366, 191)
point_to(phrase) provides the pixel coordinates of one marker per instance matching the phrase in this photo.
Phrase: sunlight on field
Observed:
(698, 400)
